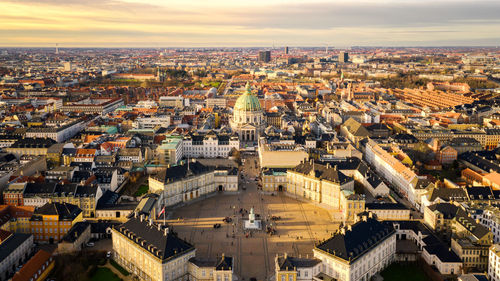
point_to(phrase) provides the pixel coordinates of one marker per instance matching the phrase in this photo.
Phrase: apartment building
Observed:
(58, 133)
(494, 263)
(52, 221)
(14, 251)
(170, 151)
(393, 171)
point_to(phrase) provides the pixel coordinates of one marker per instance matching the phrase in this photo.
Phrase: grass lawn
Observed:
(104, 274)
(143, 189)
(397, 272)
(117, 266)
(447, 172)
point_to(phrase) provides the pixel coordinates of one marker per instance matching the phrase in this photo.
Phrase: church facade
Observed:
(248, 117)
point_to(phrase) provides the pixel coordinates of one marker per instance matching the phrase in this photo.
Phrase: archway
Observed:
(221, 188)
(280, 188)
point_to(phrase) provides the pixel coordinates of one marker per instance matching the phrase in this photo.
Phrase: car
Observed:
(90, 244)
(108, 254)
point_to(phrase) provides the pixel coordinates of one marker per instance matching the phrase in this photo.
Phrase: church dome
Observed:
(247, 101)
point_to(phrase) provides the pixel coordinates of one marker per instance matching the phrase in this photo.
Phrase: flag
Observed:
(162, 211)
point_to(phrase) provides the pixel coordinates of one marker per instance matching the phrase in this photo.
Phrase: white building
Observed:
(392, 170)
(358, 251)
(151, 122)
(490, 218)
(190, 180)
(58, 133)
(494, 263)
(209, 145)
(15, 250)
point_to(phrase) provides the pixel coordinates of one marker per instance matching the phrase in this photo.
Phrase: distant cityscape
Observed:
(245, 164)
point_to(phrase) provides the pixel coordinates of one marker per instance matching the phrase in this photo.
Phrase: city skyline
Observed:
(156, 24)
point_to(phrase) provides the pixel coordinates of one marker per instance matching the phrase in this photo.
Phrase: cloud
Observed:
(247, 23)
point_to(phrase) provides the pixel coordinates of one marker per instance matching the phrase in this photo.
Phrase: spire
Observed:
(248, 89)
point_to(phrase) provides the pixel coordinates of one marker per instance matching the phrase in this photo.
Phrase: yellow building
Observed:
(16, 218)
(322, 184)
(471, 241)
(52, 221)
(37, 268)
(219, 269)
(150, 251)
(351, 204)
(273, 179)
(296, 269)
(170, 150)
(30, 146)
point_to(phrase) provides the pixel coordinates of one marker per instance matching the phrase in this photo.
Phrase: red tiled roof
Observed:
(37, 262)
(4, 234)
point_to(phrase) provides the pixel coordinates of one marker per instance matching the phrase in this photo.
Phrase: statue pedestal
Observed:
(252, 223)
(256, 224)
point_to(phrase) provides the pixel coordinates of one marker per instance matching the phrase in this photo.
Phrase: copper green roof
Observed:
(247, 101)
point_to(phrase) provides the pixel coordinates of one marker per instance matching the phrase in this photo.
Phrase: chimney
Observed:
(142, 217)
(159, 227)
(166, 230)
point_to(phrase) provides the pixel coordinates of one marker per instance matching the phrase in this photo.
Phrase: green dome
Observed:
(247, 101)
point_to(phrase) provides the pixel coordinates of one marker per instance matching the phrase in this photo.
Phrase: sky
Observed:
(248, 23)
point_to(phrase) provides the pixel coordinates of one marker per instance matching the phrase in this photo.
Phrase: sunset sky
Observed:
(219, 23)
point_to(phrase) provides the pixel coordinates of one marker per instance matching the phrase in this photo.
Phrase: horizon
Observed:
(223, 23)
(330, 48)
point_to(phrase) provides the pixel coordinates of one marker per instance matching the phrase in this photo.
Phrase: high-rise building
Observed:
(68, 66)
(343, 57)
(286, 50)
(265, 56)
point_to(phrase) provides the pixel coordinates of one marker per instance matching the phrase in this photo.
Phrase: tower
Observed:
(343, 57)
(265, 56)
(57, 49)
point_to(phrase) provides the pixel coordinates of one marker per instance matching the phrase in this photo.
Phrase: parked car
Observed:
(90, 244)
(108, 254)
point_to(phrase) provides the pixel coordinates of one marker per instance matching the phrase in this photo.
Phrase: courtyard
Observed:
(298, 226)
